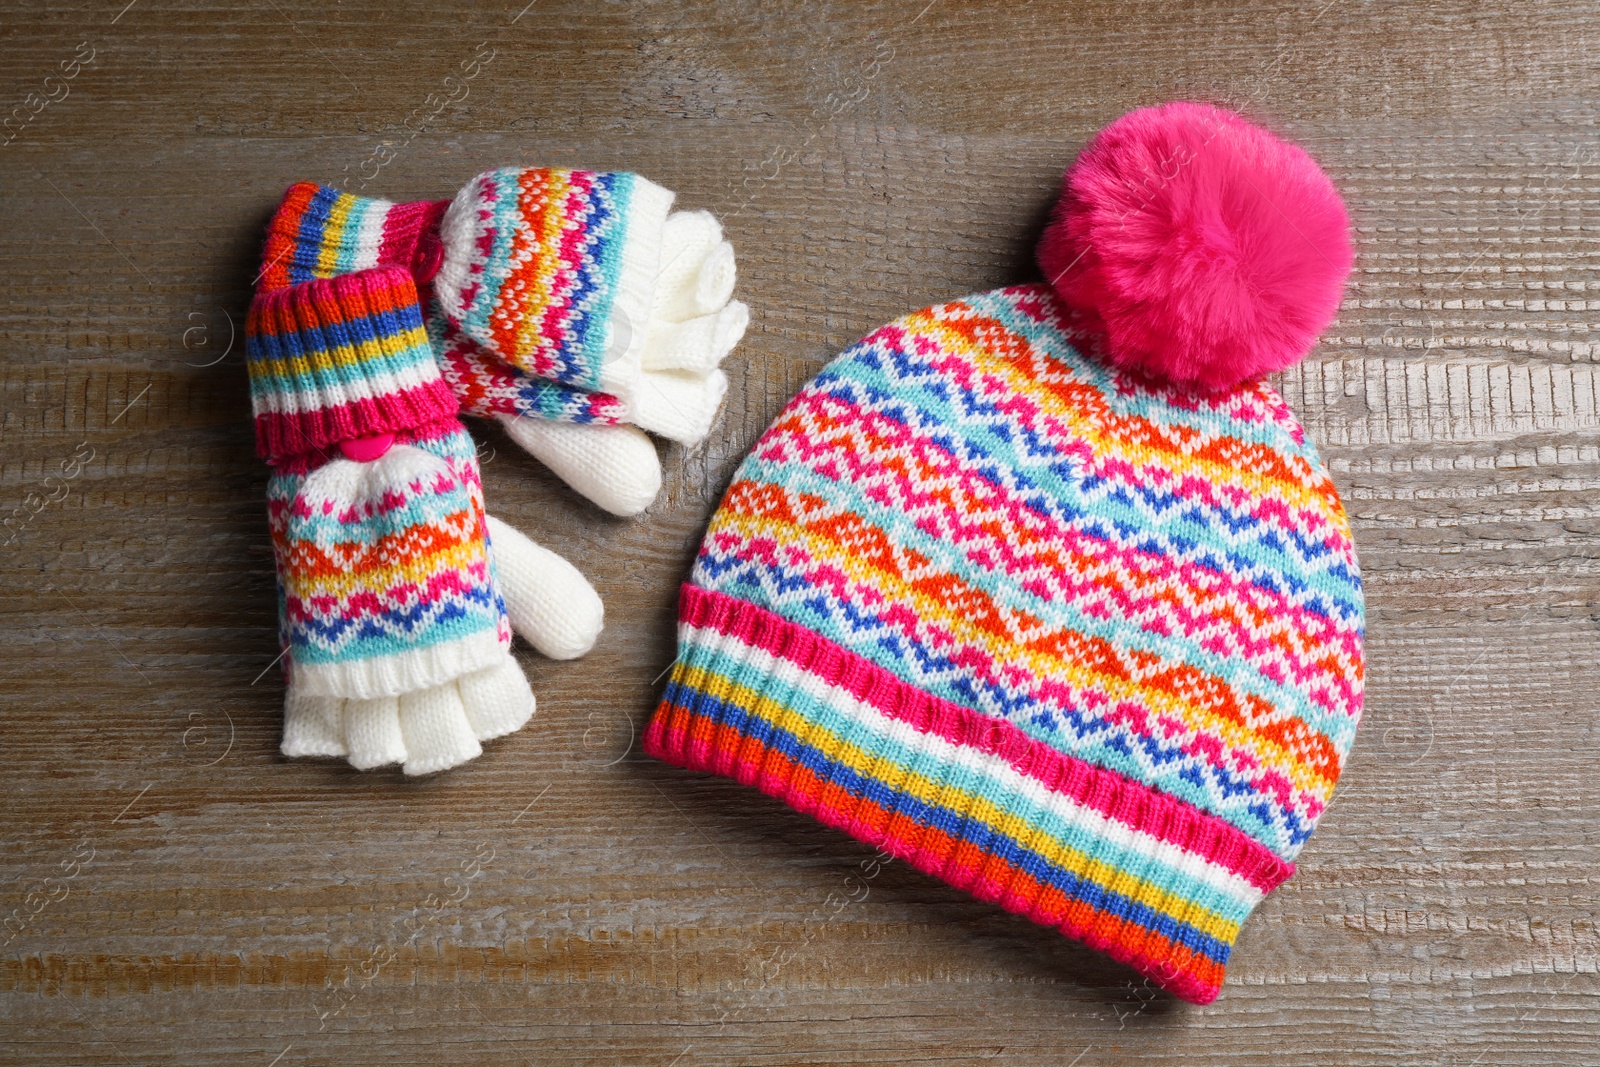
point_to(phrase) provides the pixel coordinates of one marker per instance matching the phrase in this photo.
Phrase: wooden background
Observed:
(177, 893)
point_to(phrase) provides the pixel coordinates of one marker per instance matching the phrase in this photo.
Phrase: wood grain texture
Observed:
(187, 897)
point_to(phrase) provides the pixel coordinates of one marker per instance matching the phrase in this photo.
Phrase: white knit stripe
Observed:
(401, 672)
(369, 238)
(373, 382)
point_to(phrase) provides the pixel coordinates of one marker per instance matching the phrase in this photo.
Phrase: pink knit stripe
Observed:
(1111, 794)
(293, 433)
(403, 226)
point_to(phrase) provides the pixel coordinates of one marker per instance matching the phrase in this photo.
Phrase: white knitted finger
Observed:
(696, 346)
(436, 732)
(718, 273)
(614, 466)
(498, 701)
(679, 407)
(691, 327)
(549, 602)
(372, 732)
(311, 726)
(697, 270)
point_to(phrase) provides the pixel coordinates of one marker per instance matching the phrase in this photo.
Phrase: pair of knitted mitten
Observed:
(573, 307)
(397, 593)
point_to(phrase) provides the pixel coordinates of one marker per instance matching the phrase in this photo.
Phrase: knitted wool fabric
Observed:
(489, 387)
(335, 360)
(384, 578)
(385, 584)
(540, 265)
(630, 307)
(1086, 646)
(320, 232)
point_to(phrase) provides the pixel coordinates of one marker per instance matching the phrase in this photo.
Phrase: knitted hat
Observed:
(1084, 642)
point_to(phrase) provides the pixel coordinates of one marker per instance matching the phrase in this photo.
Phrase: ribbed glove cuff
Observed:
(320, 232)
(337, 359)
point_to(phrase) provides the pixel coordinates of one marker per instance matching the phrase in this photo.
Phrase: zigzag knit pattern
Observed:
(490, 387)
(534, 265)
(1084, 645)
(384, 578)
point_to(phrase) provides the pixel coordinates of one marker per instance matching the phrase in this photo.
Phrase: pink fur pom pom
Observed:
(1204, 250)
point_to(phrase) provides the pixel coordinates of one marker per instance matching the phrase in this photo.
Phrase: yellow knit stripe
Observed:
(405, 342)
(383, 575)
(333, 235)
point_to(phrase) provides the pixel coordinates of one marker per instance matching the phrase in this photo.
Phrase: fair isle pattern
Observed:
(542, 261)
(320, 232)
(968, 798)
(1086, 646)
(384, 579)
(491, 388)
(1153, 583)
(336, 359)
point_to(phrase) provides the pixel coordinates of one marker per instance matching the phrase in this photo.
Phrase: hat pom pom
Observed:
(1204, 250)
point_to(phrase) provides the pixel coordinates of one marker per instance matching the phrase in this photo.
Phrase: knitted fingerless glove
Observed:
(395, 630)
(576, 277)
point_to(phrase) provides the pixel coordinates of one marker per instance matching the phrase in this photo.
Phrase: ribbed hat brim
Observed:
(1129, 871)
